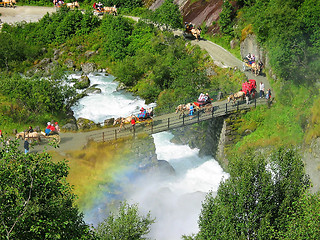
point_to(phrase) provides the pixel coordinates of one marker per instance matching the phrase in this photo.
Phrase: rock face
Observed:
(251, 45)
(197, 12)
(205, 136)
(311, 157)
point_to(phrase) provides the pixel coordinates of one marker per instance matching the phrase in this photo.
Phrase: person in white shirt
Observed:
(261, 89)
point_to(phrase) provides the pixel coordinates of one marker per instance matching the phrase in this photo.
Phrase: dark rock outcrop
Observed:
(204, 136)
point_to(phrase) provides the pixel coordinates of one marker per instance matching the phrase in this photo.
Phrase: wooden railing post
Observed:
(237, 106)
(255, 102)
(152, 127)
(226, 108)
(115, 134)
(168, 123)
(198, 113)
(183, 119)
(102, 136)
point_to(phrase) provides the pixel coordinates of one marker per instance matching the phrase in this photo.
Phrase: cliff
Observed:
(197, 12)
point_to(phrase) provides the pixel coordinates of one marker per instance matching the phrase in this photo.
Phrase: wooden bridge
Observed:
(171, 121)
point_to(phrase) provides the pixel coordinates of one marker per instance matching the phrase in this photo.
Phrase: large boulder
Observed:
(92, 89)
(83, 82)
(109, 122)
(89, 53)
(70, 127)
(83, 123)
(88, 67)
(69, 63)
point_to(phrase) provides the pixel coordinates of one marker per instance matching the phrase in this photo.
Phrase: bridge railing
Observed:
(163, 123)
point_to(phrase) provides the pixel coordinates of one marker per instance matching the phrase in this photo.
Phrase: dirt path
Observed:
(24, 13)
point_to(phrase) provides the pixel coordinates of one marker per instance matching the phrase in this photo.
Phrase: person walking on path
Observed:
(268, 95)
(26, 146)
(261, 89)
(133, 124)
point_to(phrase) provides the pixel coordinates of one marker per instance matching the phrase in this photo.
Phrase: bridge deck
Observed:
(170, 121)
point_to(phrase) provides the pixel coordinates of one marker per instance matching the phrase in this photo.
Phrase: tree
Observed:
(36, 202)
(117, 31)
(304, 220)
(226, 18)
(255, 201)
(126, 224)
(168, 14)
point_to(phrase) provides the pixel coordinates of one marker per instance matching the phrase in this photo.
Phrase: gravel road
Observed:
(24, 13)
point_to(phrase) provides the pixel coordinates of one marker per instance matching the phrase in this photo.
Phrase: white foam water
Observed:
(110, 103)
(175, 202)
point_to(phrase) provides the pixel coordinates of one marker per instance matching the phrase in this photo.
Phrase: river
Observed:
(175, 201)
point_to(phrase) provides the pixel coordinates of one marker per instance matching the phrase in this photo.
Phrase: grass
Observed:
(284, 124)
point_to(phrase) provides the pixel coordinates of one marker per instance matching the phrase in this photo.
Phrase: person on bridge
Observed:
(191, 110)
(30, 130)
(208, 99)
(133, 124)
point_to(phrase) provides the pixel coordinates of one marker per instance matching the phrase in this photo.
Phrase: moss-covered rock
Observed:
(82, 83)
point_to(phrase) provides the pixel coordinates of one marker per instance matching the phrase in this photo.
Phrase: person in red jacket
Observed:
(133, 123)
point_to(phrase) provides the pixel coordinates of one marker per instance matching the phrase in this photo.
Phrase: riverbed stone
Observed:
(92, 90)
(69, 63)
(83, 82)
(88, 67)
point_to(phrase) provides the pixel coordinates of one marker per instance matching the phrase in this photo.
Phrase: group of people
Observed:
(98, 6)
(251, 59)
(58, 3)
(52, 128)
(262, 92)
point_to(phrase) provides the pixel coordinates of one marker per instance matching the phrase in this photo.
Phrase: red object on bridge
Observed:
(249, 85)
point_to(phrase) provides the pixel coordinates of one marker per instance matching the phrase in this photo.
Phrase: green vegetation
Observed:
(265, 196)
(126, 224)
(151, 63)
(258, 200)
(286, 30)
(36, 202)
